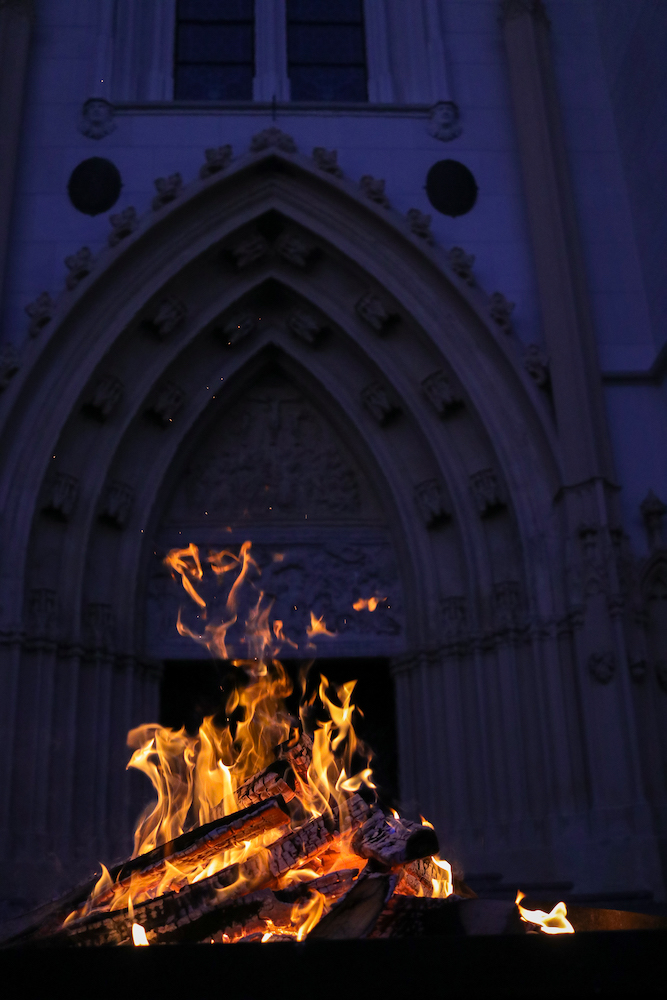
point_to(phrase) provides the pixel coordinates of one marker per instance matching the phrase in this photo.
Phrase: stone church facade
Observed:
(272, 333)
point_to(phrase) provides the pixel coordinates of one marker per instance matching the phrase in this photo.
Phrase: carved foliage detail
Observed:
(79, 265)
(168, 189)
(40, 312)
(169, 315)
(461, 263)
(420, 224)
(217, 158)
(486, 491)
(62, 495)
(117, 504)
(536, 363)
(500, 311)
(295, 249)
(123, 224)
(441, 393)
(378, 402)
(272, 138)
(430, 500)
(327, 160)
(374, 312)
(373, 188)
(167, 402)
(305, 325)
(105, 397)
(250, 249)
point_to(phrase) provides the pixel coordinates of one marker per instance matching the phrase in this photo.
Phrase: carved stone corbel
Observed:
(98, 627)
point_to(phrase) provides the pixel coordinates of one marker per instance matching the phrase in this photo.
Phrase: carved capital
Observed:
(506, 605)
(455, 617)
(42, 615)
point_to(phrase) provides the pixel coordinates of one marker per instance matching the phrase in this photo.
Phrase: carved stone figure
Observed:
(500, 311)
(294, 248)
(62, 495)
(420, 224)
(536, 363)
(117, 504)
(376, 400)
(305, 325)
(373, 188)
(9, 364)
(238, 327)
(250, 249)
(327, 160)
(430, 500)
(123, 224)
(40, 312)
(169, 316)
(602, 666)
(455, 617)
(373, 311)
(96, 119)
(272, 137)
(445, 121)
(42, 614)
(653, 511)
(79, 265)
(105, 397)
(461, 263)
(506, 605)
(168, 189)
(486, 491)
(661, 674)
(217, 158)
(98, 627)
(167, 403)
(440, 392)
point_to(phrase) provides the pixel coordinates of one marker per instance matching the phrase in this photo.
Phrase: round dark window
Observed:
(94, 186)
(451, 188)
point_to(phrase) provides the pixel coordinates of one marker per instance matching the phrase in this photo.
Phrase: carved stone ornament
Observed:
(40, 312)
(327, 160)
(511, 9)
(169, 316)
(536, 363)
(661, 674)
(239, 327)
(420, 224)
(272, 138)
(167, 403)
(440, 392)
(500, 311)
(168, 189)
(295, 249)
(123, 225)
(42, 614)
(105, 397)
(486, 491)
(217, 158)
(373, 311)
(445, 121)
(455, 617)
(377, 402)
(594, 571)
(250, 249)
(506, 605)
(638, 668)
(9, 364)
(430, 502)
(79, 265)
(98, 627)
(96, 119)
(62, 495)
(305, 325)
(373, 188)
(602, 666)
(461, 263)
(653, 511)
(117, 504)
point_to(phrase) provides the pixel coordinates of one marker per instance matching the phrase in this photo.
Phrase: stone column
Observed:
(16, 17)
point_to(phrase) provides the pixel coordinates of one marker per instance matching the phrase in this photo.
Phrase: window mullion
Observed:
(380, 80)
(271, 78)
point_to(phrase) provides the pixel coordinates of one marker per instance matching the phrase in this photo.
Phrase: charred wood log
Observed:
(417, 880)
(408, 916)
(292, 759)
(393, 842)
(356, 914)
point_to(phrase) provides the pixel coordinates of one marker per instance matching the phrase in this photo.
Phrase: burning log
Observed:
(408, 916)
(356, 914)
(418, 878)
(278, 778)
(393, 841)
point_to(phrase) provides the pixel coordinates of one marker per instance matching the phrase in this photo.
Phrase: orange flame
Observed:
(554, 922)
(369, 604)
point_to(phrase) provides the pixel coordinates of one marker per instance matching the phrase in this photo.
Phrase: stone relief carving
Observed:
(62, 495)
(98, 627)
(250, 249)
(430, 500)
(441, 393)
(79, 265)
(239, 327)
(96, 120)
(373, 311)
(455, 617)
(327, 160)
(274, 138)
(500, 311)
(117, 504)
(536, 363)
(602, 666)
(661, 674)
(273, 458)
(373, 188)
(295, 249)
(217, 158)
(40, 312)
(420, 225)
(105, 397)
(486, 491)
(9, 364)
(305, 325)
(377, 401)
(123, 224)
(445, 121)
(168, 189)
(506, 605)
(170, 314)
(42, 614)
(461, 263)
(167, 403)
(653, 511)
